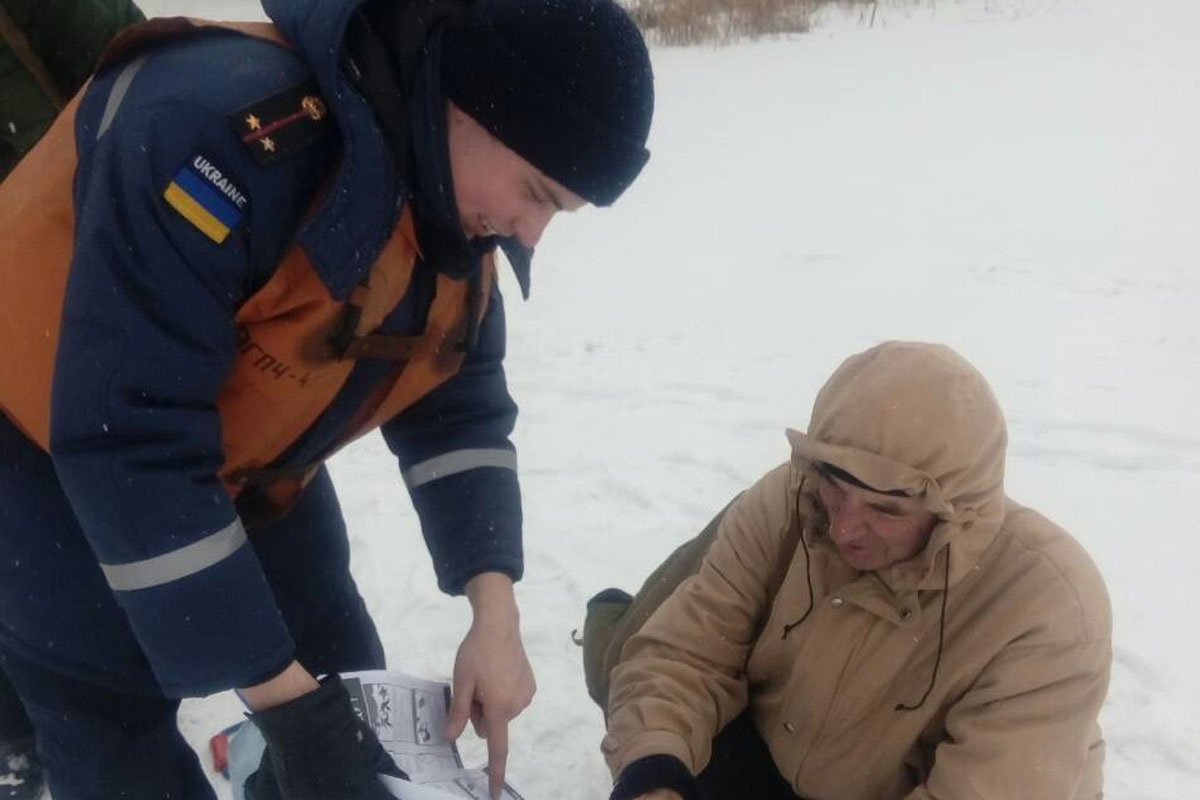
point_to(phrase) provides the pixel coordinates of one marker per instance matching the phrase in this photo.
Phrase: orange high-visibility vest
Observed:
(284, 374)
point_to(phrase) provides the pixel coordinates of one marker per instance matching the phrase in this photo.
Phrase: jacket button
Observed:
(789, 727)
(906, 614)
(837, 601)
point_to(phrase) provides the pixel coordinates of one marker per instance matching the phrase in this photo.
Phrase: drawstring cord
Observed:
(937, 661)
(807, 569)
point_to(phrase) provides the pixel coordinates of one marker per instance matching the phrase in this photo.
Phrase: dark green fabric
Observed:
(613, 616)
(68, 37)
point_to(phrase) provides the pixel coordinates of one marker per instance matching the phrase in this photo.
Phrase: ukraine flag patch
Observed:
(206, 198)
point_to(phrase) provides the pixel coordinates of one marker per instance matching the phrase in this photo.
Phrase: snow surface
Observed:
(1017, 178)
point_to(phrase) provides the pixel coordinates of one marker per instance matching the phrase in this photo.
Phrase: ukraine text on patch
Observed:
(207, 198)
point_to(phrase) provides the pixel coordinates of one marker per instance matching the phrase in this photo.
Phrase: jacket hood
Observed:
(917, 418)
(342, 238)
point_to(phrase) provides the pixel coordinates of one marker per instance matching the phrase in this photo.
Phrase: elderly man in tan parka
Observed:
(929, 638)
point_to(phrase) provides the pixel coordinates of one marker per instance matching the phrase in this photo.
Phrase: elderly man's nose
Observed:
(844, 524)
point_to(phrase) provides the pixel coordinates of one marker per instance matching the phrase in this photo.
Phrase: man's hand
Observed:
(318, 749)
(493, 681)
(660, 794)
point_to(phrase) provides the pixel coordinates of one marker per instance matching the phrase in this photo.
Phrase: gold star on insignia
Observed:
(253, 122)
(268, 144)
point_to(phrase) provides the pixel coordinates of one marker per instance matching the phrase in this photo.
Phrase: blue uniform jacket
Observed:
(148, 337)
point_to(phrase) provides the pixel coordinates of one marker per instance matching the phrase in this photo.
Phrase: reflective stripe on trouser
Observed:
(458, 461)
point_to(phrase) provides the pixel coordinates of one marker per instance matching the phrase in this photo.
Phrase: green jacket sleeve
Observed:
(66, 37)
(69, 35)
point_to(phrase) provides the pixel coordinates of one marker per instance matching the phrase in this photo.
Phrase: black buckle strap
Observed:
(383, 346)
(257, 478)
(342, 335)
(475, 300)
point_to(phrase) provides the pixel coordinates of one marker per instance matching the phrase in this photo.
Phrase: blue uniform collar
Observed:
(361, 206)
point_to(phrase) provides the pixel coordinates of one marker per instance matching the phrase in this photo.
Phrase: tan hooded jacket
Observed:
(974, 670)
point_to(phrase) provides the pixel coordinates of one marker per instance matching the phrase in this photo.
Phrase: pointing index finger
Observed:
(497, 745)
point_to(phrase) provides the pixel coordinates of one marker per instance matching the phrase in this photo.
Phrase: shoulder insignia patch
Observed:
(207, 198)
(283, 123)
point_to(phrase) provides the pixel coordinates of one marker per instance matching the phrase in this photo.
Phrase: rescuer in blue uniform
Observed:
(277, 238)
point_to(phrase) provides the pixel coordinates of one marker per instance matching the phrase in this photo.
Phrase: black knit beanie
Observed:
(565, 83)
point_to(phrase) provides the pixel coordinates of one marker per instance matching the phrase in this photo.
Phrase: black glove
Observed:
(318, 749)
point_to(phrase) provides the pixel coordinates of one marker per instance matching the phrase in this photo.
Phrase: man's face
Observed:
(498, 192)
(872, 530)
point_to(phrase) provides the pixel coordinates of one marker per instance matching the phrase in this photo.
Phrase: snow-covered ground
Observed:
(1017, 178)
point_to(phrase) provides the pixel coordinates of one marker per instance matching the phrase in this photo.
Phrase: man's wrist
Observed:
(655, 772)
(293, 682)
(491, 596)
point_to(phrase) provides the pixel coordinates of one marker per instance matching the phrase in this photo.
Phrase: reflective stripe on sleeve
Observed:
(176, 564)
(117, 95)
(458, 461)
